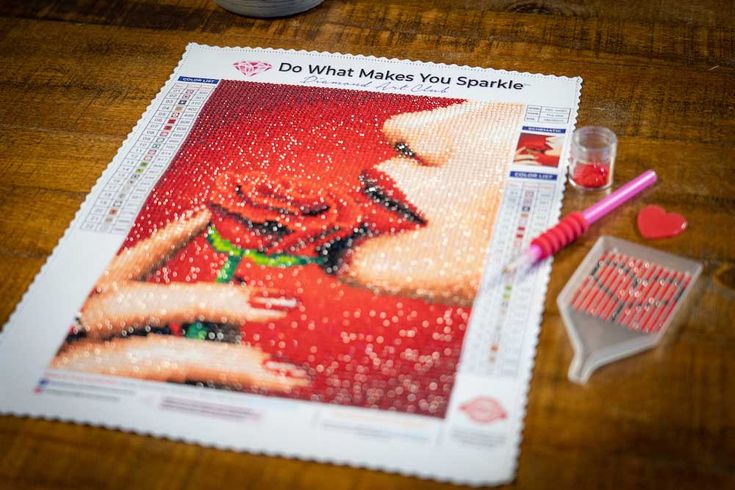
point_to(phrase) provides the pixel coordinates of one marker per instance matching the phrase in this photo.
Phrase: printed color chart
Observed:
(494, 349)
(124, 194)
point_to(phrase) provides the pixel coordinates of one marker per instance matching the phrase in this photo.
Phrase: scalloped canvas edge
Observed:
(378, 58)
(556, 213)
(263, 451)
(162, 434)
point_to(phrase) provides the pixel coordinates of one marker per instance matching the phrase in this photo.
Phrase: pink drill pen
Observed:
(575, 224)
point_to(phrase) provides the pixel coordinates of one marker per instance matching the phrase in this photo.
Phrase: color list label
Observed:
(123, 195)
(494, 342)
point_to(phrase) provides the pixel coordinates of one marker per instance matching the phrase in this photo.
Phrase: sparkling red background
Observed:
(361, 349)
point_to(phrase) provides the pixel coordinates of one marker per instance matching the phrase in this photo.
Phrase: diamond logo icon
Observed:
(252, 68)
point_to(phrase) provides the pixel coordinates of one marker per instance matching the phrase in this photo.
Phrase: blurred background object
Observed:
(268, 8)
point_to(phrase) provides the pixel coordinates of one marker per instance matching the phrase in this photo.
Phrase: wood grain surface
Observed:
(76, 75)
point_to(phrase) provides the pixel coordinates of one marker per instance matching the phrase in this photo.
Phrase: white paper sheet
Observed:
(384, 348)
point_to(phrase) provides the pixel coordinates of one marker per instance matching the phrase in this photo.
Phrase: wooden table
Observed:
(76, 75)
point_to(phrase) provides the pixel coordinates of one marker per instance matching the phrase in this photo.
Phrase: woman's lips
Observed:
(381, 189)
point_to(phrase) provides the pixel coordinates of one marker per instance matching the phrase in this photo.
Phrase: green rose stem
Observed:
(235, 254)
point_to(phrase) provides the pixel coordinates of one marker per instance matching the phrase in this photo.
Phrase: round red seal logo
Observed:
(484, 410)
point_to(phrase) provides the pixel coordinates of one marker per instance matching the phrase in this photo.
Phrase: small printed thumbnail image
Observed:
(536, 147)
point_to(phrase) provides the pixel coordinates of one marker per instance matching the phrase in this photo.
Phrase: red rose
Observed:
(278, 214)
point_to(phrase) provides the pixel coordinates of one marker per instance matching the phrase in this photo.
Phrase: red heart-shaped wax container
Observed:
(654, 222)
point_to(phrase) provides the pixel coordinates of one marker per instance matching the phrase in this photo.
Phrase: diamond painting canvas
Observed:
(322, 239)
(293, 246)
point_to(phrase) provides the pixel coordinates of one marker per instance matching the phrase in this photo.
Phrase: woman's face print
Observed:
(450, 166)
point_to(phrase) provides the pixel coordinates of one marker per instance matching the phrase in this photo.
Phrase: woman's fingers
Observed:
(138, 261)
(138, 304)
(271, 302)
(525, 158)
(137, 357)
(285, 369)
(261, 314)
(165, 358)
(238, 366)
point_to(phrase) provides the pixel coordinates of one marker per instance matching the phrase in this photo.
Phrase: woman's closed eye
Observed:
(417, 157)
(405, 151)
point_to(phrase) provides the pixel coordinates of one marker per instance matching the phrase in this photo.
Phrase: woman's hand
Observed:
(122, 301)
(137, 262)
(524, 156)
(176, 359)
(135, 304)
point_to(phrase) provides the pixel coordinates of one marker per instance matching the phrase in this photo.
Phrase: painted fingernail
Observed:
(283, 369)
(268, 302)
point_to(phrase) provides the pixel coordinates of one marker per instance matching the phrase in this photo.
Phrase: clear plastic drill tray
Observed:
(620, 301)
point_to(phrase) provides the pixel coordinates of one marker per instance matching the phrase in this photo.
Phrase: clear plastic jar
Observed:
(592, 158)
